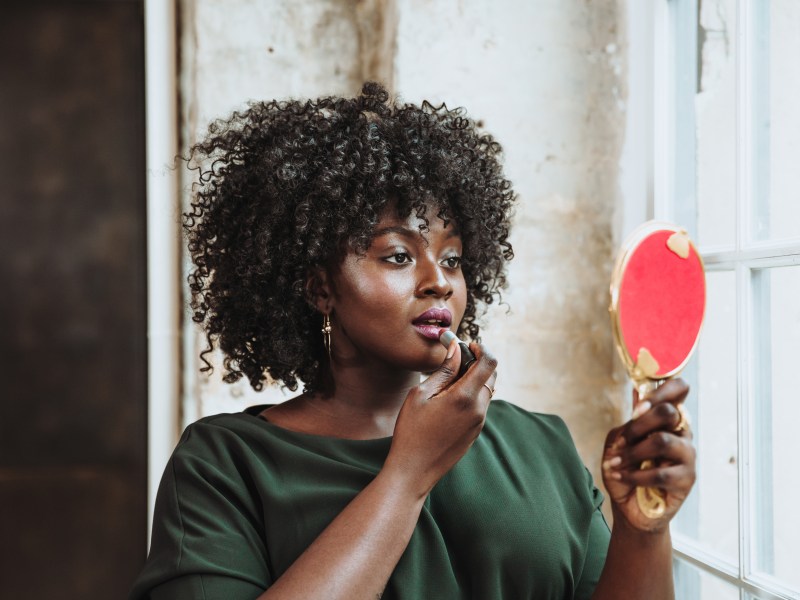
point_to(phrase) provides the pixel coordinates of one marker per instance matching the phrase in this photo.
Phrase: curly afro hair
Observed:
(290, 187)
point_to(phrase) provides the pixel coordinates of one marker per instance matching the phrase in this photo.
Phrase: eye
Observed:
(452, 262)
(398, 258)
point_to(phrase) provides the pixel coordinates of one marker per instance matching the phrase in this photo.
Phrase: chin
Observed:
(414, 357)
(431, 363)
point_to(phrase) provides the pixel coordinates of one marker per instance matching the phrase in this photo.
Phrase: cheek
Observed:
(368, 288)
(460, 295)
(364, 292)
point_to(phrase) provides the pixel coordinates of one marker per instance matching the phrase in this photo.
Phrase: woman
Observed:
(334, 241)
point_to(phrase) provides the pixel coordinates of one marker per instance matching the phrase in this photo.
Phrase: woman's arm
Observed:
(357, 553)
(639, 560)
(638, 565)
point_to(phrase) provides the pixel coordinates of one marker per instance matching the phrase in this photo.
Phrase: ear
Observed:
(319, 290)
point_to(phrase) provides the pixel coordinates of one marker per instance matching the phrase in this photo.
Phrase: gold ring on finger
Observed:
(491, 391)
(683, 420)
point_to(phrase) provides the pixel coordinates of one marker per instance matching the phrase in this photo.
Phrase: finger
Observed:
(660, 446)
(487, 389)
(663, 416)
(480, 373)
(614, 441)
(473, 384)
(676, 479)
(673, 391)
(445, 374)
(492, 383)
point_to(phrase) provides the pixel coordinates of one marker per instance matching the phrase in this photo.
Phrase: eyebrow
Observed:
(405, 231)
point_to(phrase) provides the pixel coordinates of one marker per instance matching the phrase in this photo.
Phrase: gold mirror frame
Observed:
(651, 501)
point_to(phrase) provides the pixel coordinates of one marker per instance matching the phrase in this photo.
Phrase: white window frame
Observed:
(744, 259)
(163, 242)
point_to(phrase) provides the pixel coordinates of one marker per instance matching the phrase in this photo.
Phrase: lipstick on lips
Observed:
(431, 322)
(467, 357)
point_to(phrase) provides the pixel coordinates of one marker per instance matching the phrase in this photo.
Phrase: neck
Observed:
(366, 399)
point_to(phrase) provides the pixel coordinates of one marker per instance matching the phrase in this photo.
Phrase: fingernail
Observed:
(451, 350)
(612, 462)
(640, 409)
(619, 443)
(616, 475)
(446, 337)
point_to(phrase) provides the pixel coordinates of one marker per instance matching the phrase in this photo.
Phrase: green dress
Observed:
(241, 498)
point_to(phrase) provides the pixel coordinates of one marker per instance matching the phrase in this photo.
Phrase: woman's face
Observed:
(390, 303)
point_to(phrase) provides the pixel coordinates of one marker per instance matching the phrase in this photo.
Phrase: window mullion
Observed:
(743, 290)
(663, 108)
(781, 253)
(762, 519)
(744, 127)
(683, 197)
(743, 395)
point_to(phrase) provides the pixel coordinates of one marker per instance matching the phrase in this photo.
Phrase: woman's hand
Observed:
(440, 419)
(651, 435)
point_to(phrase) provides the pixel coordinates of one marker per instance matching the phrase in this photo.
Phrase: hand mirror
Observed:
(658, 299)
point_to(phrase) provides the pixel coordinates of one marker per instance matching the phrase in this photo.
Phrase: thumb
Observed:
(445, 374)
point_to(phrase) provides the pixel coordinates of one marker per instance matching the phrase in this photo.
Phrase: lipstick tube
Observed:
(467, 357)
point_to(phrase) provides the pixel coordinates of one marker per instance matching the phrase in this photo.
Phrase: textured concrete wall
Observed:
(546, 77)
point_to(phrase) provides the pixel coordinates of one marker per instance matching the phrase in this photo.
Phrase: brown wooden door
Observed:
(73, 380)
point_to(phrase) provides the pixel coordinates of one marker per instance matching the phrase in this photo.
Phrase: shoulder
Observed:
(513, 419)
(531, 436)
(537, 450)
(215, 430)
(205, 506)
(216, 445)
(210, 445)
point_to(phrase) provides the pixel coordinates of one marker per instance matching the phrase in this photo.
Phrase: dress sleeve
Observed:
(596, 546)
(208, 539)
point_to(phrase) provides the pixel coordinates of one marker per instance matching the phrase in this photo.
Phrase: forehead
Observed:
(425, 225)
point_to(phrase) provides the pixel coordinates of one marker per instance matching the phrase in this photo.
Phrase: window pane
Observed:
(710, 515)
(715, 108)
(695, 584)
(776, 120)
(777, 475)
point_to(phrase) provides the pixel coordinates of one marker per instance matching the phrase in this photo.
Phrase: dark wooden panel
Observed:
(73, 379)
(65, 535)
(72, 232)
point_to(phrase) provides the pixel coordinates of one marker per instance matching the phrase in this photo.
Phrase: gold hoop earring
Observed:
(326, 333)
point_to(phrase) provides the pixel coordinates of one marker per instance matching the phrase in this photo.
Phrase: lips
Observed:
(431, 322)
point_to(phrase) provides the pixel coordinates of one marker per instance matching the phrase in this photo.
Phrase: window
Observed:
(727, 136)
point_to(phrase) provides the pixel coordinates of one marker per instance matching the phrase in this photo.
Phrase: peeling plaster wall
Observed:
(548, 80)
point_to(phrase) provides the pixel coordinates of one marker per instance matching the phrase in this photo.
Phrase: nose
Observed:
(433, 281)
